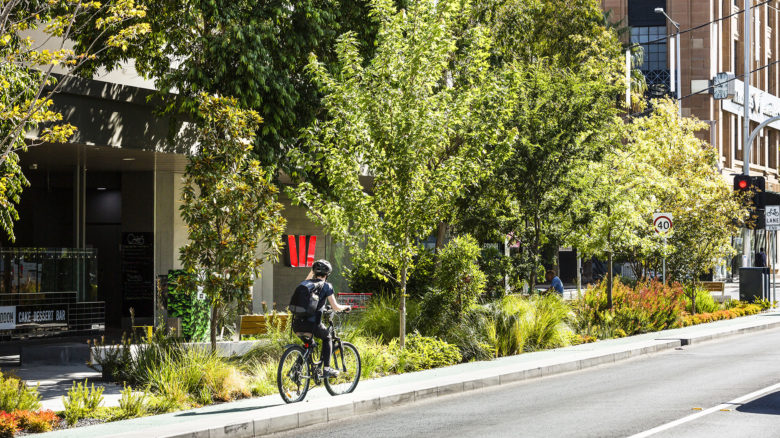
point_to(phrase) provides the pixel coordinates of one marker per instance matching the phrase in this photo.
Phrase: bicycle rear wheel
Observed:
(347, 360)
(293, 375)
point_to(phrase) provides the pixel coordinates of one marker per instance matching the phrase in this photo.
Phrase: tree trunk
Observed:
(214, 317)
(402, 309)
(609, 280)
(534, 247)
(441, 232)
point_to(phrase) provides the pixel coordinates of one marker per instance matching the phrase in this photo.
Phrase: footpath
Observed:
(264, 415)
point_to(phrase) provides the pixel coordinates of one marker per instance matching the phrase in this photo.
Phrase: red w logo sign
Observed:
(300, 251)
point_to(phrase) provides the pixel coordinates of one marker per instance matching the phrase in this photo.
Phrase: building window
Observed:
(654, 46)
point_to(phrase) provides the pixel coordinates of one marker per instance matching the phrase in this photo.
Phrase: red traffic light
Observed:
(743, 184)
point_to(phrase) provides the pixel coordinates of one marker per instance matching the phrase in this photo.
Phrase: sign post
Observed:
(772, 214)
(663, 224)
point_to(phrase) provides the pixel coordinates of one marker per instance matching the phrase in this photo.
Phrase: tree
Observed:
(402, 136)
(251, 50)
(568, 70)
(706, 209)
(230, 207)
(662, 167)
(27, 81)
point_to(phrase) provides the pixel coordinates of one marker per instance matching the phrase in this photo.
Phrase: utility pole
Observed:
(746, 122)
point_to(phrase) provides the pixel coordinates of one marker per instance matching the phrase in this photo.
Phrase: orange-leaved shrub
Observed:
(647, 307)
(36, 421)
(701, 318)
(9, 425)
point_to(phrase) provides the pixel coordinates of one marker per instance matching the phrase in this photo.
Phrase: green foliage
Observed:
(495, 265)
(458, 274)
(132, 403)
(565, 68)
(230, 208)
(413, 121)
(362, 278)
(675, 172)
(376, 358)
(82, 401)
(253, 51)
(516, 324)
(27, 81)
(546, 328)
(705, 303)
(183, 303)
(16, 395)
(422, 353)
(381, 319)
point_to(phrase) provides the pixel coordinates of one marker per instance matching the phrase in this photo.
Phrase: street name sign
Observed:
(772, 214)
(662, 222)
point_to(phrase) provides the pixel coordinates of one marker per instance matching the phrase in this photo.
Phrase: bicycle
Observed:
(298, 367)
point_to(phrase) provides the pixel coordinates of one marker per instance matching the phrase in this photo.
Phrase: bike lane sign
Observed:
(772, 214)
(662, 222)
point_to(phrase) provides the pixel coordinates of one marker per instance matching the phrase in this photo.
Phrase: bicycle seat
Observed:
(305, 336)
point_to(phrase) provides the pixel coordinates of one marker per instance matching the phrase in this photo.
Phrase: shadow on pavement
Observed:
(768, 404)
(223, 411)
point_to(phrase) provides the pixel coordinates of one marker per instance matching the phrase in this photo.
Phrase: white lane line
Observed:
(692, 417)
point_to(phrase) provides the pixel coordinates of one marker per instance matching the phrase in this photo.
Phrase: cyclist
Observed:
(320, 270)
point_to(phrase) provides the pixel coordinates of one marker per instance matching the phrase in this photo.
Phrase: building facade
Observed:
(712, 41)
(100, 224)
(712, 38)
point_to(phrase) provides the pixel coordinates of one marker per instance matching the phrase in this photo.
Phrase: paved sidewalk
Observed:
(259, 416)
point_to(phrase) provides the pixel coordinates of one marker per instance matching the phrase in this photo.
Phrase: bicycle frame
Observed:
(311, 350)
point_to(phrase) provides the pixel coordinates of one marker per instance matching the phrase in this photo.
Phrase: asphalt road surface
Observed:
(725, 388)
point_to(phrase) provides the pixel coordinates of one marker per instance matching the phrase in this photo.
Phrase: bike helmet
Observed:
(321, 267)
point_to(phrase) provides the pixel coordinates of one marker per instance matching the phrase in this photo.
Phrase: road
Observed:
(725, 388)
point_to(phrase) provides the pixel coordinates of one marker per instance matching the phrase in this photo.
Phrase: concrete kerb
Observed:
(287, 417)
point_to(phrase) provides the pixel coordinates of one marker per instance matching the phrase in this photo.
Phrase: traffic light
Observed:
(753, 187)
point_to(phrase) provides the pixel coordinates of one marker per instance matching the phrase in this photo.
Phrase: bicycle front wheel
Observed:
(293, 375)
(347, 360)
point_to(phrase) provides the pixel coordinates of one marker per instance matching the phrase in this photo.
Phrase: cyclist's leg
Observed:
(323, 334)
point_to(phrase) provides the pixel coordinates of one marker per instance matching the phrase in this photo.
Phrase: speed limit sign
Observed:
(662, 222)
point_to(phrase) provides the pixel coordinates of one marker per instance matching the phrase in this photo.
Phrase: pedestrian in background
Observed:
(761, 258)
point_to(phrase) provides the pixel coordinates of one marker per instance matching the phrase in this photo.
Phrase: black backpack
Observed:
(306, 298)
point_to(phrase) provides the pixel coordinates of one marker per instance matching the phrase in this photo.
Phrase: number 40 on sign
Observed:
(662, 222)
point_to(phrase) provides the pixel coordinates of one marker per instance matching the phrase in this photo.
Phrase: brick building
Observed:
(712, 41)
(705, 51)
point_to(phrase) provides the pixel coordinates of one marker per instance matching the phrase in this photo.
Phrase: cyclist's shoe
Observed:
(330, 372)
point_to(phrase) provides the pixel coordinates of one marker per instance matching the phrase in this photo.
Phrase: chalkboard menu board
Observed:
(138, 271)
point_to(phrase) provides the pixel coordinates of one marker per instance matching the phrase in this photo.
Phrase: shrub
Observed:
(705, 303)
(470, 335)
(131, 404)
(650, 306)
(81, 401)
(381, 318)
(362, 279)
(741, 309)
(9, 425)
(545, 324)
(422, 353)
(376, 358)
(458, 274)
(504, 325)
(262, 377)
(16, 395)
(36, 422)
